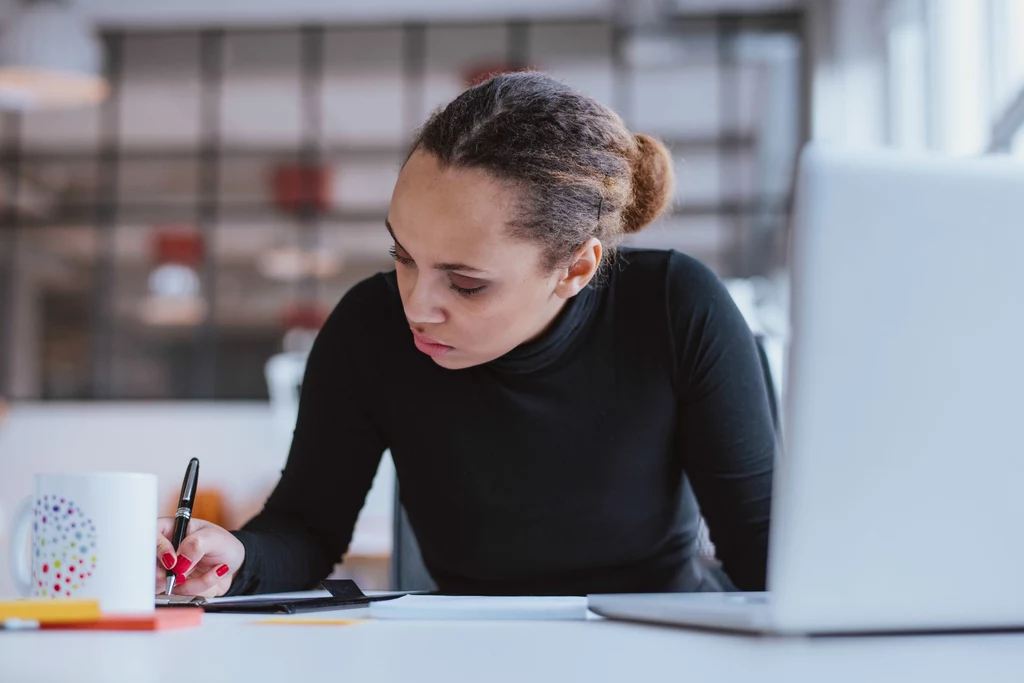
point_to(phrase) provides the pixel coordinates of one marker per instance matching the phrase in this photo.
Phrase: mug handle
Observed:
(20, 560)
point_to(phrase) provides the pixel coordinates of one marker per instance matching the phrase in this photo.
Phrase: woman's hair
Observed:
(579, 172)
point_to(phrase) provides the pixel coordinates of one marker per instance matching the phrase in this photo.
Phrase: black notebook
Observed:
(344, 594)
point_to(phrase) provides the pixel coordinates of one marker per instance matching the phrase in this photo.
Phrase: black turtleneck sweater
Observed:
(568, 466)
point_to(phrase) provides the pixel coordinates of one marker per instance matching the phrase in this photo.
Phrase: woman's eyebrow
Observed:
(438, 266)
(457, 266)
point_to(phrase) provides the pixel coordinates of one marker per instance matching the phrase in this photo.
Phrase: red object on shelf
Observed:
(302, 187)
(304, 316)
(478, 73)
(178, 245)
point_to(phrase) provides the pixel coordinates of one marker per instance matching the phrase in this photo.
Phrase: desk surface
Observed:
(230, 647)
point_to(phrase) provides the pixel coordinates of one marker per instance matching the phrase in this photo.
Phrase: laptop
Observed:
(899, 500)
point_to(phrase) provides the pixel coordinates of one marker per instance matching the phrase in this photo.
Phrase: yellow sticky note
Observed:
(51, 611)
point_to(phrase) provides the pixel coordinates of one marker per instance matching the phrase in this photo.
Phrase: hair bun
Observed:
(653, 183)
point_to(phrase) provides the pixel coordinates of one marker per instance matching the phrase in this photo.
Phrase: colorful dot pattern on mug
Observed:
(64, 558)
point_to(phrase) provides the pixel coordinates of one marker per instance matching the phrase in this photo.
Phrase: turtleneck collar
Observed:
(564, 334)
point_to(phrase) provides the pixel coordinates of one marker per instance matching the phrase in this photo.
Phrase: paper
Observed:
(310, 622)
(474, 607)
(262, 597)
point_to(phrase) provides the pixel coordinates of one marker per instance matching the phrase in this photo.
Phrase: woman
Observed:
(551, 407)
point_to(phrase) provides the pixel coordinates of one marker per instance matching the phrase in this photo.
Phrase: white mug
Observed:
(92, 536)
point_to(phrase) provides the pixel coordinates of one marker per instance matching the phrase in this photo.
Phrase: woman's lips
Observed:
(430, 347)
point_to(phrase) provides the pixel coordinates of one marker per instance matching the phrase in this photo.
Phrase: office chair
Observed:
(408, 572)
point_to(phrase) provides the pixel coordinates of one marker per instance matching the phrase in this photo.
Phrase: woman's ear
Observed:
(585, 262)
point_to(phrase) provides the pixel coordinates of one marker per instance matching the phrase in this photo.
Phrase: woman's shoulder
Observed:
(691, 300)
(672, 277)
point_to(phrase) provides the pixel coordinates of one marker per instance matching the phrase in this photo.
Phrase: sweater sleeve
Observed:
(306, 524)
(727, 441)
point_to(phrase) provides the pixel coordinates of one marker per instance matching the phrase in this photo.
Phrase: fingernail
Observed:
(168, 560)
(182, 565)
(180, 578)
(222, 570)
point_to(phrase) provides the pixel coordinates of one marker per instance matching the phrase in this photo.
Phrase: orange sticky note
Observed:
(159, 620)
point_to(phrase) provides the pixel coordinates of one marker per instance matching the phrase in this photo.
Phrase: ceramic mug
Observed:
(88, 535)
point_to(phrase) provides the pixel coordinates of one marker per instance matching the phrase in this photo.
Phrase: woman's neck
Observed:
(549, 319)
(563, 326)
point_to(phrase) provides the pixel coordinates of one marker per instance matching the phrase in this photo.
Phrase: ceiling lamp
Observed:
(49, 58)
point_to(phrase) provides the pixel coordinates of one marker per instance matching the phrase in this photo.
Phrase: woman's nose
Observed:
(421, 306)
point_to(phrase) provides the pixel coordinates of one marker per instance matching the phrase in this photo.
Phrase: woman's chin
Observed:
(460, 360)
(454, 361)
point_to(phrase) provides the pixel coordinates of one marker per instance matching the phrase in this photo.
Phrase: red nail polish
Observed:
(168, 560)
(182, 565)
(222, 570)
(179, 578)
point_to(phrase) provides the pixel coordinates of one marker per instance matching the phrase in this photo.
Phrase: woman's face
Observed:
(471, 292)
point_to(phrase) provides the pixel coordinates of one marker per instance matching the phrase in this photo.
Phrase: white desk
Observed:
(229, 648)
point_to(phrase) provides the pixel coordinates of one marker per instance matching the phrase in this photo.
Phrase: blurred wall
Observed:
(936, 75)
(848, 81)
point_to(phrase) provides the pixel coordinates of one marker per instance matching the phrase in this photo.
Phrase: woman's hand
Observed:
(205, 563)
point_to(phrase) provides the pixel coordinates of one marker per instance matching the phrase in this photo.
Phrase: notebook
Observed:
(338, 594)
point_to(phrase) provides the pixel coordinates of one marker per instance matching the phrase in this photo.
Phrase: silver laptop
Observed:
(899, 501)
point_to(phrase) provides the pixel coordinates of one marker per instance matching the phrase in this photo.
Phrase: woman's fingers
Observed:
(165, 555)
(190, 553)
(204, 563)
(207, 583)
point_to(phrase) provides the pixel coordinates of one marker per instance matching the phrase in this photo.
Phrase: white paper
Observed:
(476, 607)
(262, 597)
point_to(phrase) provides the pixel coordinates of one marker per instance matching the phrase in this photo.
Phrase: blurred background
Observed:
(187, 188)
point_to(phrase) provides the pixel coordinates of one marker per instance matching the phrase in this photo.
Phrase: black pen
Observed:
(184, 514)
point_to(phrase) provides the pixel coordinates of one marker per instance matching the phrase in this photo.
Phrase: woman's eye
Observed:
(399, 257)
(467, 286)
(467, 292)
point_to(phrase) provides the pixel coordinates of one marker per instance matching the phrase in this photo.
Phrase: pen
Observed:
(184, 514)
(15, 624)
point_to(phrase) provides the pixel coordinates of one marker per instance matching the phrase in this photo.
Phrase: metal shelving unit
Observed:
(104, 206)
